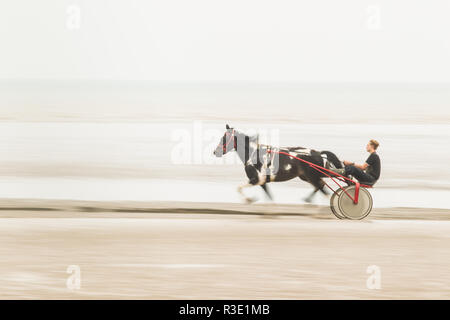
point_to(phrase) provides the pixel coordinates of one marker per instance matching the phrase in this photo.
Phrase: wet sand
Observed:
(170, 250)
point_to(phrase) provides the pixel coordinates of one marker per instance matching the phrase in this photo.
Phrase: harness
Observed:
(232, 136)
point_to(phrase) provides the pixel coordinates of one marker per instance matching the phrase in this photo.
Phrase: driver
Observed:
(368, 172)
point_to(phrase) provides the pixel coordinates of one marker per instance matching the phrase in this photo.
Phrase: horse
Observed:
(264, 163)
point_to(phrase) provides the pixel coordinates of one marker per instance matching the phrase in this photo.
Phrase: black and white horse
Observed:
(264, 163)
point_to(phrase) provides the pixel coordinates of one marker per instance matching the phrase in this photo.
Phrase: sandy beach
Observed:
(135, 250)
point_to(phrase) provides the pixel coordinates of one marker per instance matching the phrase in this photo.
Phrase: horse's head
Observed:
(234, 140)
(227, 142)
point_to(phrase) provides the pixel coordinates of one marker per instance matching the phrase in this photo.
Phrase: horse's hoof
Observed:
(307, 200)
(250, 200)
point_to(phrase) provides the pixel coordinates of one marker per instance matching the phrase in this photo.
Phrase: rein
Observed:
(330, 174)
(225, 146)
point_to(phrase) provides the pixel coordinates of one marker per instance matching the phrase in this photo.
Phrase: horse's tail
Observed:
(333, 159)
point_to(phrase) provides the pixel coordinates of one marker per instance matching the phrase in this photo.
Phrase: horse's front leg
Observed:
(247, 199)
(254, 179)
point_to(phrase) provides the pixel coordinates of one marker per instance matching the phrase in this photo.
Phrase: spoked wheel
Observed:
(334, 204)
(353, 211)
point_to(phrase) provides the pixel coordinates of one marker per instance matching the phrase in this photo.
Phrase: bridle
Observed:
(225, 145)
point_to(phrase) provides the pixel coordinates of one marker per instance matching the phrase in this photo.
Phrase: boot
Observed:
(338, 171)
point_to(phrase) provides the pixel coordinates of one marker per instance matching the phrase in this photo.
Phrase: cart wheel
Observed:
(355, 211)
(334, 204)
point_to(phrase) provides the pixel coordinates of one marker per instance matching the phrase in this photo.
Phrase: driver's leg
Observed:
(357, 173)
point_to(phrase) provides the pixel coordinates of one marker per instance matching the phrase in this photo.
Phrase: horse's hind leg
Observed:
(311, 196)
(307, 179)
(318, 184)
(321, 187)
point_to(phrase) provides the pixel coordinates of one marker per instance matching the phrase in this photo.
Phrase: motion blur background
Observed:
(123, 102)
(92, 93)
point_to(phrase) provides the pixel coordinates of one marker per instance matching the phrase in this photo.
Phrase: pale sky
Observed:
(227, 40)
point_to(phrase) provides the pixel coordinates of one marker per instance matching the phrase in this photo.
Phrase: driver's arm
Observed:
(361, 166)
